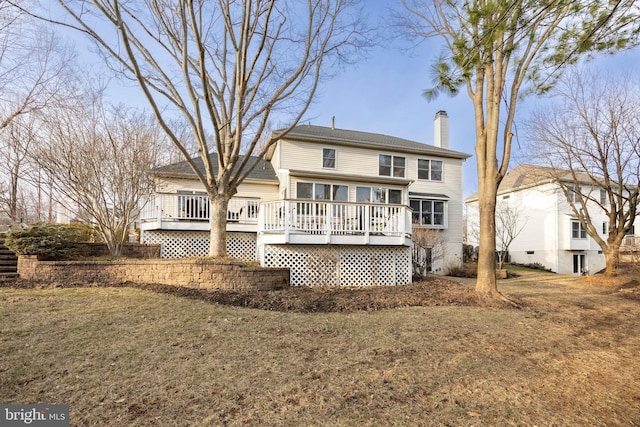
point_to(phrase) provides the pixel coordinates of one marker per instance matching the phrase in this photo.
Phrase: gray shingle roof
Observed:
(524, 176)
(321, 134)
(263, 171)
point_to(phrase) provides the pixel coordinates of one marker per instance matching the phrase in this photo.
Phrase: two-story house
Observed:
(550, 233)
(335, 206)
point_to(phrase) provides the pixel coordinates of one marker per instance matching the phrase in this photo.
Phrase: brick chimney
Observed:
(441, 130)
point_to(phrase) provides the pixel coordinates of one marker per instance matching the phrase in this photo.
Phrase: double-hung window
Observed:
(430, 170)
(577, 230)
(329, 158)
(391, 166)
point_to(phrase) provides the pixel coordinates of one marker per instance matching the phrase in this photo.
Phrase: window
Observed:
(391, 166)
(363, 194)
(605, 227)
(603, 197)
(632, 231)
(395, 196)
(319, 191)
(340, 193)
(530, 252)
(574, 194)
(378, 195)
(430, 170)
(329, 158)
(304, 190)
(322, 192)
(427, 212)
(577, 231)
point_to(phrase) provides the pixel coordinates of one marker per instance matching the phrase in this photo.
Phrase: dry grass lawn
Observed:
(130, 357)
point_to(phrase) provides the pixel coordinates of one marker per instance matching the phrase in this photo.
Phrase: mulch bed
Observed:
(431, 292)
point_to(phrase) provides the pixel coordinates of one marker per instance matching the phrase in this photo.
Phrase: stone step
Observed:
(8, 268)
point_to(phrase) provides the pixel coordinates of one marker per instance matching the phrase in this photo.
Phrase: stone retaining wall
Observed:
(129, 250)
(192, 273)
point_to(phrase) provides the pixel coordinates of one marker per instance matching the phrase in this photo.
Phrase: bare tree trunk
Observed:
(486, 281)
(612, 259)
(218, 233)
(13, 194)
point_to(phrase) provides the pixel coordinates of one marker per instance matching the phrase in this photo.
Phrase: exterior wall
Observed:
(451, 185)
(341, 265)
(205, 274)
(184, 244)
(546, 238)
(266, 191)
(364, 162)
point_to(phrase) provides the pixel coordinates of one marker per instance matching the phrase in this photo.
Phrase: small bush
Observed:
(533, 266)
(462, 271)
(469, 253)
(53, 241)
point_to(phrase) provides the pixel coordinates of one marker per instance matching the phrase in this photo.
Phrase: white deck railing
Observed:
(284, 216)
(630, 243)
(165, 207)
(335, 218)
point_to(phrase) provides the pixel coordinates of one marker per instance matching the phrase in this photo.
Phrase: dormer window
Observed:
(391, 165)
(329, 158)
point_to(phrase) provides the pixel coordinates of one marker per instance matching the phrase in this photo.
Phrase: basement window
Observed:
(530, 252)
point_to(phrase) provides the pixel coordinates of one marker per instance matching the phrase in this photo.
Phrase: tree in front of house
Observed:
(590, 136)
(499, 51)
(229, 68)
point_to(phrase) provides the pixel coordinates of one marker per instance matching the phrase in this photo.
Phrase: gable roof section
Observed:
(527, 176)
(262, 172)
(327, 135)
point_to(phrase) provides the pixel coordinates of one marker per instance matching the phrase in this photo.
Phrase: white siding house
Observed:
(551, 235)
(333, 205)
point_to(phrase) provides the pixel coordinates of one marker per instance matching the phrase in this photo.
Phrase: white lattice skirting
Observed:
(184, 244)
(341, 265)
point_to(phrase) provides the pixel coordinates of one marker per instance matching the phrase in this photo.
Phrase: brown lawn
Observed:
(127, 356)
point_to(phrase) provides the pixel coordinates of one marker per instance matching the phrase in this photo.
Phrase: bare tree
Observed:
(16, 139)
(590, 136)
(99, 158)
(33, 64)
(429, 247)
(494, 49)
(228, 67)
(509, 224)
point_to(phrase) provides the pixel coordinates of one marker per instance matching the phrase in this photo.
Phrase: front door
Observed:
(580, 264)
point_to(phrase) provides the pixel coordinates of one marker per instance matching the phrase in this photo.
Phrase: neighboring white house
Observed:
(551, 234)
(335, 206)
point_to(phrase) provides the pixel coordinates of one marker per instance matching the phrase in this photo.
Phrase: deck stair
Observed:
(8, 263)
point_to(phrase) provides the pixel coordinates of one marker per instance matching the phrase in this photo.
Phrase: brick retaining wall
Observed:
(192, 273)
